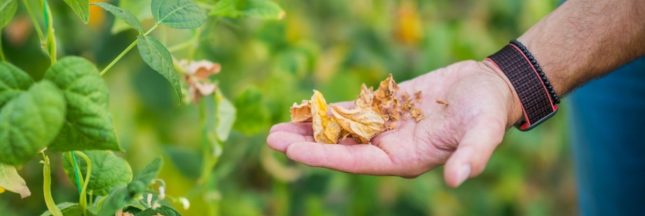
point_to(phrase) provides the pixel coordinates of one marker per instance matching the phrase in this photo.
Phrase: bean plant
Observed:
(66, 112)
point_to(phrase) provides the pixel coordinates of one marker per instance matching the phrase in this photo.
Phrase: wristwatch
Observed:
(538, 98)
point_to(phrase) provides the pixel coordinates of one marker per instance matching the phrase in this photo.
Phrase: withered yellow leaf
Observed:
(362, 123)
(326, 130)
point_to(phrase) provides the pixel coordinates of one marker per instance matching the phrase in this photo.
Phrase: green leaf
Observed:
(69, 209)
(81, 8)
(148, 173)
(120, 197)
(88, 124)
(30, 121)
(124, 15)
(139, 8)
(157, 56)
(7, 11)
(117, 199)
(108, 171)
(161, 211)
(220, 115)
(181, 14)
(13, 81)
(262, 9)
(11, 181)
(254, 116)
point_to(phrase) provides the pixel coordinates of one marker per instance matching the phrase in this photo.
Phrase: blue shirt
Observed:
(608, 115)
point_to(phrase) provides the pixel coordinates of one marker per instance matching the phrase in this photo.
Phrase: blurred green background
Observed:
(329, 45)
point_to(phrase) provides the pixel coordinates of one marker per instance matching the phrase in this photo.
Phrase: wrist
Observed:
(514, 106)
(537, 97)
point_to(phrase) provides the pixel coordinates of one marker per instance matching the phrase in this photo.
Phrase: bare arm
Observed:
(581, 40)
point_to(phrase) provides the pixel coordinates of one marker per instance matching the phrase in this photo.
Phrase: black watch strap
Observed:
(537, 96)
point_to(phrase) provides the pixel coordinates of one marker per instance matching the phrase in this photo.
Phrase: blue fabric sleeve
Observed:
(608, 137)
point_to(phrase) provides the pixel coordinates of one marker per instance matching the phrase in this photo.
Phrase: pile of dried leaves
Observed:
(373, 113)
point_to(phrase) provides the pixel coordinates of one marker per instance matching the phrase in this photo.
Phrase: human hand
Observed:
(468, 107)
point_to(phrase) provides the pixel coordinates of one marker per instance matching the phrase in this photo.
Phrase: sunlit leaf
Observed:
(30, 121)
(157, 56)
(81, 8)
(10, 180)
(181, 14)
(7, 11)
(121, 14)
(88, 124)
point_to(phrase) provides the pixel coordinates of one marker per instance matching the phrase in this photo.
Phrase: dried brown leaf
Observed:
(366, 97)
(301, 112)
(362, 123)
(374, 112)
(417, 114)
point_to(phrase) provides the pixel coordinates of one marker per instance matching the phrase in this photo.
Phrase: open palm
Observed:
(468, 107)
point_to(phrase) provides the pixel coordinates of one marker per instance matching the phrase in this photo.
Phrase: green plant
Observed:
(66, 112)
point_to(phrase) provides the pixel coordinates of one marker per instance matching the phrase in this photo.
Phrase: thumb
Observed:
(473, 152)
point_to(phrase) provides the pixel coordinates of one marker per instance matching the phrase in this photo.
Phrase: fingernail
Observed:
(463, 173)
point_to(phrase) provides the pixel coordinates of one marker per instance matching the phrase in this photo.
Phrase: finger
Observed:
(473, 152)
(347, 141)
(360, 159)
(303, 128)
(280, 140)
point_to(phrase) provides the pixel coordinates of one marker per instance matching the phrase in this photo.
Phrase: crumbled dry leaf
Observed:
(442, 102)
(366, 97)
(385, 96)
(374, 112)
(417, 96)
(301, 112)
(417, 114)
(363, 123)
(196, 74)
(326, 130)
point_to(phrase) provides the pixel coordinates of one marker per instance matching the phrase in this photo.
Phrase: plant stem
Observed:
(2, 57)
(208, 143)
(126, 50)
(77, 171)
(86, 181)
(118, 57)
(51, 38)
(49, 201)
(196, 39)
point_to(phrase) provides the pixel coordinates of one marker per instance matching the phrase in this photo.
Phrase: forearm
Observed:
(584, 39)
